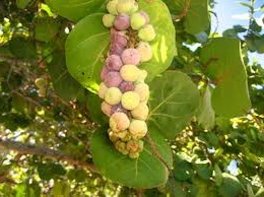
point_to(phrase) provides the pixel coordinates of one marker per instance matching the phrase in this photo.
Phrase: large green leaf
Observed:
(75, 9)
(224, 65)
(198, 18)
(164, 46)
(174, 101)
(230, 187)
(147, 171)
(206, 114)
(63, 83)
(195, 12)
(85, 47)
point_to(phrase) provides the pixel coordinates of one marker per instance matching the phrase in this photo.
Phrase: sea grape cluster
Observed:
(123, 89)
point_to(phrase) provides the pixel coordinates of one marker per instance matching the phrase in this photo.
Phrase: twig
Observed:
(184, 12)
(46, 152)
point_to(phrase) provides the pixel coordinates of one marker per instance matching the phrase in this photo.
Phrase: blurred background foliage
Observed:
(42, 105)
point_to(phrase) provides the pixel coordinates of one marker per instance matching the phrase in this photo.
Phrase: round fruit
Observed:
(108, 20)
(131, 56)
(114, 62)
(122, 22)
(147, 33)
(145, 51)
(138, 128)
(137, 21)
(126, 86)
(112, 79)
(111, 7)
(106, 108)
(119, 122)
(125, 6)
(102, 90)
(130, 100)
(113, 96)
(142, 90)
(129, 72)
(140, 112)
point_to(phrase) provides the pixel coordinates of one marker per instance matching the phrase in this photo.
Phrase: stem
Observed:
(46, 152)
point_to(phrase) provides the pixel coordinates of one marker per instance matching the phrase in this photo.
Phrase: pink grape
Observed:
(114, 62)
(118, 38)
(126, 86)
(118, 108)
(104, 72)
(122, 22)
(116, 49)
(131, 56)
(112, 79)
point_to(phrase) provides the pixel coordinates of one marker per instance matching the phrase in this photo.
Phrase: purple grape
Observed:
(118, 108)
(118, 38)
(126, 86)
(112, 79)
(131, 56)
(116, 49)
(114, 62)
(104, 73)
(122, 22)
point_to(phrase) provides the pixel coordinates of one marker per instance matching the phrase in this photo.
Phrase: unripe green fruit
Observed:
(145, 51)
(130, 100)
(134, 155)
(108, 20)
(133, 146)
(138, 128)
(129, 72)
(137, 21)
(121, 147)
(119, 122)
(111, 7)
(102, 90)
(125, 6)
(134, 8)
(142, 90)
(147, 33)
(140, 112)
(113, 96)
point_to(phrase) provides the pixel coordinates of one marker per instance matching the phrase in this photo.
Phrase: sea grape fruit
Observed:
(129, 72)
(121, 147)
(122, 22)
(137, 21)
(119, 122)
(130, 100)
(147, 33)
(134, 7)
(102, 90)
(118, 108)
(126, 86)
(112, 79)
(138, 128)
(146, 16)
(145, 51)
(106, 108)
(111, 7)
(119, 37)
(125, 6)
(142, 76)
(131, 56)
(114, 62)
(108, 20)
(113, 96)
(104, 72)
(134, 146)
(142, 90)
(140, 112)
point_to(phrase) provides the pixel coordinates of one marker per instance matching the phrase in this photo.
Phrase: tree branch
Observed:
(31, 149)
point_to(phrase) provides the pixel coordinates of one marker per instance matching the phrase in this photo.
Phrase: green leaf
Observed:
(198, 18)
(45, 28)
(50, 171)
(173, 102)
(75, 10)
(85, 49)
(230, 187)
(206, 114)
(22, 48)
(183, 170)
(61, 189)
(164, 45)
(65, 86)
(22, 3)
(148, 171)
(203, 170)
(225, 67)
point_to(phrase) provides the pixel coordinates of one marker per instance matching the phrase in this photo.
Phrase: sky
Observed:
(230, 12)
